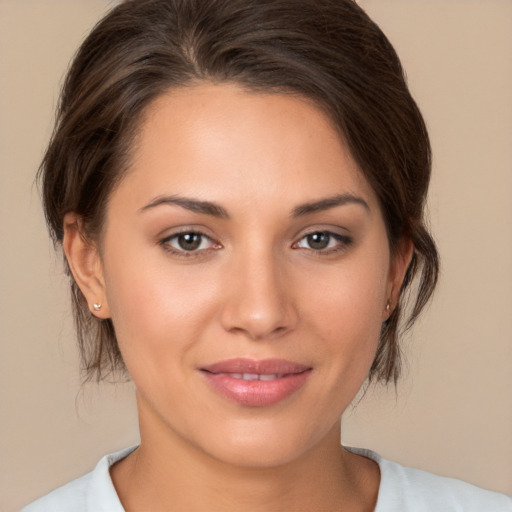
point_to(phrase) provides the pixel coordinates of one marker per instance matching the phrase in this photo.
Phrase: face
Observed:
(246, 269)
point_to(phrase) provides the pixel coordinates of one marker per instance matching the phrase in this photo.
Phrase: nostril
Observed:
(258, 326)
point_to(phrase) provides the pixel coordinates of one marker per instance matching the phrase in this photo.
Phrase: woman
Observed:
(239, 188)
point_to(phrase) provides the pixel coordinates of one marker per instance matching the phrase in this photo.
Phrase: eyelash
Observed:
(183, 253)
(343, 242)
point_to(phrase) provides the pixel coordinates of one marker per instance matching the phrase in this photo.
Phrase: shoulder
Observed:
(408, 489)
(93, 492)
(69, 498)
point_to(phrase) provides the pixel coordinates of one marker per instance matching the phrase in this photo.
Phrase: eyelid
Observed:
(164, 242)
(344, 241)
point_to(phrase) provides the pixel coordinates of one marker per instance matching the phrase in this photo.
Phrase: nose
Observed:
(259, 302)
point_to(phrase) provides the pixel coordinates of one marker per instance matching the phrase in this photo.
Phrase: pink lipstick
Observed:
(256, 383)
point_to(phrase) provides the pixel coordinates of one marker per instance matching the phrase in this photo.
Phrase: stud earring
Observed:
(96, 307)
(388, 306)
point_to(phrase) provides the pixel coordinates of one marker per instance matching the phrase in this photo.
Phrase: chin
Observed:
(257, 456)
(266, 446)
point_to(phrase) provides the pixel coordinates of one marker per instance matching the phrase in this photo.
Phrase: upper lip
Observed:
(261, 367)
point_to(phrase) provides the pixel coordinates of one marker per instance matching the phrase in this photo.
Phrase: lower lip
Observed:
(257, 393)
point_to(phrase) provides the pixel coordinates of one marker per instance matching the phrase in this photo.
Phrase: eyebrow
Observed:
(194, 205)
(215, 210)
(328, 203)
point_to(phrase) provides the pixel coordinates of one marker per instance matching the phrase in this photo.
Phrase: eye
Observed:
(188, 242)
(325, 241)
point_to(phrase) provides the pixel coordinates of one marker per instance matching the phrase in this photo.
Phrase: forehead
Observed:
(225, 141)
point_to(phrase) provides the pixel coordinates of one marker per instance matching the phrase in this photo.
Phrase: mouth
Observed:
(256, 383)
(254, 376)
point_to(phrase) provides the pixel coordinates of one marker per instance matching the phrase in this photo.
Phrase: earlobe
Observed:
(400, 262)
(85, 264)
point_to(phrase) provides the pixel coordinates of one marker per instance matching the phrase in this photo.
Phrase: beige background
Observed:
(452, 413)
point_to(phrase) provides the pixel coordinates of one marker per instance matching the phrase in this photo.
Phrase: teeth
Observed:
(269, 377)
(254, 376)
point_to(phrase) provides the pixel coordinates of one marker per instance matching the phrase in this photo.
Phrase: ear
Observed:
(85, 264)
(400, 261)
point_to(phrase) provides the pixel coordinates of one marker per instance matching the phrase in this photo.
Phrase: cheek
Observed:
(355, 290)
(346, 309)
(158, 310)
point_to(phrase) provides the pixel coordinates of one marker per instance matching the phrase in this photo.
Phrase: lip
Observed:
(281, 378)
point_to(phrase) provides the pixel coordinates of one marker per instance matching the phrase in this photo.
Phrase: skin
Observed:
(254, 288)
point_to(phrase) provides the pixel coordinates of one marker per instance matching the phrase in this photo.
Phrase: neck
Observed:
(167, 473)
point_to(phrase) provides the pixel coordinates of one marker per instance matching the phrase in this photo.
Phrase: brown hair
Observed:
(326, 50)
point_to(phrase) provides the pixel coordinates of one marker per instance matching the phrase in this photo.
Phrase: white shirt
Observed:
(401, 490)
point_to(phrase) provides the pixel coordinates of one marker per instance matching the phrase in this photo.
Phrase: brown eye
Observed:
(189, 241)
(318, 241)
(324, 242)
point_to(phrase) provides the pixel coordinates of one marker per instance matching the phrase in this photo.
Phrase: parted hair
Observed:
(328, 51)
